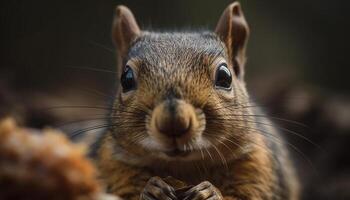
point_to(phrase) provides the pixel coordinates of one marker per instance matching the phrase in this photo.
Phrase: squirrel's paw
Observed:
(203, 191)
(157, 189)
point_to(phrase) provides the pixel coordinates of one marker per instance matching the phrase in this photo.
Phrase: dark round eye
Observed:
(223, 77)
(128, 79)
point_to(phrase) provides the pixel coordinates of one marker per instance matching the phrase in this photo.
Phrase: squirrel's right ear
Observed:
(124, 29)
(233, 30)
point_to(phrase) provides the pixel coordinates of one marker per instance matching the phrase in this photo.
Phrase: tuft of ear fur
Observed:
(124, 30)
(233, 30)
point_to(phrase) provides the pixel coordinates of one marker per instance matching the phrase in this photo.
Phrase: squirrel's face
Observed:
(180, 94)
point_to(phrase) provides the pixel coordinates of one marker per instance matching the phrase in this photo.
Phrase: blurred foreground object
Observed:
(43, 165)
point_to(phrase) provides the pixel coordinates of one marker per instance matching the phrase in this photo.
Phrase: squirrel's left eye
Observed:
(223, 77)
(128, 79)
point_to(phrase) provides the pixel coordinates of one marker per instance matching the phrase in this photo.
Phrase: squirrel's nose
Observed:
(173, 118)
(173, 126)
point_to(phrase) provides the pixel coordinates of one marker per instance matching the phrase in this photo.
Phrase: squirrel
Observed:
(182, 110)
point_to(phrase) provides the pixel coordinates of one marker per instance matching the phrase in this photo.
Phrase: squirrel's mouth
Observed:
(177, 153)
(175, 149)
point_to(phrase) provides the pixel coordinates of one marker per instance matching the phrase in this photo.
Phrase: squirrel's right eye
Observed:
(128, 79)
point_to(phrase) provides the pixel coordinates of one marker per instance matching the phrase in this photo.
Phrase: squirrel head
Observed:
(180, 93)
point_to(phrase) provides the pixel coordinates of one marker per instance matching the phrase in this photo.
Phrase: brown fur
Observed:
(231, 155)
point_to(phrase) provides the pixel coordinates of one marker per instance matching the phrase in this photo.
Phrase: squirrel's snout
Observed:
(173, 125)
(173, 118)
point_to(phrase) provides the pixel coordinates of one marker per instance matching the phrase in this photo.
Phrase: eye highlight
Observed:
(127, 79)
(223, 77)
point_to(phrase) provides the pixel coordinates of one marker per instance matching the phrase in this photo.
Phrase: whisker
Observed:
(211, 157)
(275, 138)
(225, 145)
(96, 92)
(95, 108)
(101, 45)
(78, 121)
(96, 69)
(201, 150)
(223, 160)
(76, 133)
(240, 146)
(274, 126)
(78, 107)
(234, 143)
(267, 117)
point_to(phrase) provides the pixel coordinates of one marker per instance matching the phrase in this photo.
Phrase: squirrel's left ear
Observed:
(124, 30)
(233, 30)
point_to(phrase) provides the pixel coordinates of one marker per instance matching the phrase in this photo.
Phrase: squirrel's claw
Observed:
(203, 191)
(157, 189)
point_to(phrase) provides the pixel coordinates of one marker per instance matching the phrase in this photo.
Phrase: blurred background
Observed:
(59, 53)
